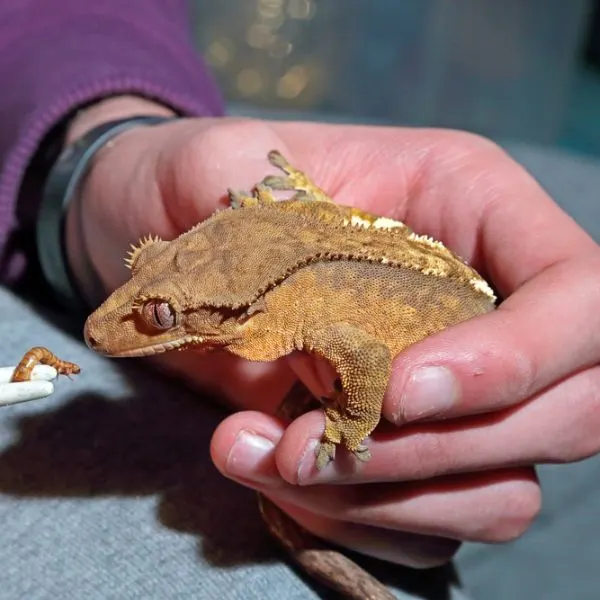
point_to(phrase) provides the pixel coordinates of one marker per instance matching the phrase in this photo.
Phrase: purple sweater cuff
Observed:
(80, 58)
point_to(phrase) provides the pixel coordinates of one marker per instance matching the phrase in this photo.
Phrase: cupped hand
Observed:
(469, 411)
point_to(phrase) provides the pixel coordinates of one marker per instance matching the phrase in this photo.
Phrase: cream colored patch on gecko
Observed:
(387, 223)
(482, 286)
(360, 222)
(378, 223)
(426, 240)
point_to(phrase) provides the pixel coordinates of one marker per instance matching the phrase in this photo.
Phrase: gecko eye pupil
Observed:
(159, 315)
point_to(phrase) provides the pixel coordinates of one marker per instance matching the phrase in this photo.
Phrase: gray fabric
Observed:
(107, 491)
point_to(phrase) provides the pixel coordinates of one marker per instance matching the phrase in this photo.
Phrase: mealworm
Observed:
(42, 356)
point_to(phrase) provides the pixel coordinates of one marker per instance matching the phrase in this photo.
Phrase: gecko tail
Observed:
(328, 566)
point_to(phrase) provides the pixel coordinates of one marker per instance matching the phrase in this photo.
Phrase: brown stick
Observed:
(324, 564)
(327, 565)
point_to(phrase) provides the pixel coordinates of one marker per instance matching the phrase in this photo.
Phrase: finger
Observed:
(14, 393)
(561, 424)
(223, 153)
(398, 547)
(447, 507)
(244, 449)
(530, 342)
(39, 373)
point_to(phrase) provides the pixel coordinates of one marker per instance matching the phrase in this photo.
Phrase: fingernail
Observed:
(337, 471)
(251, 458)
(428, 392)
(307, 469)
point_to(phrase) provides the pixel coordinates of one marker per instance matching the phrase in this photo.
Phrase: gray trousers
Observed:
(107, 490)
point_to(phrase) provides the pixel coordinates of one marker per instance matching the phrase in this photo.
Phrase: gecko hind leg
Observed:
(296, 180)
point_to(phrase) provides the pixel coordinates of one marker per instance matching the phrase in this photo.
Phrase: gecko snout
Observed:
(90, 338)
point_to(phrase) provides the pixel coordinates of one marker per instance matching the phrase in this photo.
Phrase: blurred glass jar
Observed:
(500, 68)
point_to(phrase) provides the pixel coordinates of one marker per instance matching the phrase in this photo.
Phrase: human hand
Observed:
(524, 382)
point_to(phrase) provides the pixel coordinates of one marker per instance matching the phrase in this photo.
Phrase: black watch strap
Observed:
(60, 188)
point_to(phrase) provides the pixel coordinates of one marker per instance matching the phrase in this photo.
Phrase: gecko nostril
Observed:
(90, 340)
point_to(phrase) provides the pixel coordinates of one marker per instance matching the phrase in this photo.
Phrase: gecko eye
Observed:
(159, 315)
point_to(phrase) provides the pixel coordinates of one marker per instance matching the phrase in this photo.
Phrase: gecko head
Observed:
(154, 312)
(155, 325)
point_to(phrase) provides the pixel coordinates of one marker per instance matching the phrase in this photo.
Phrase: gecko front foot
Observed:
(362, 453)
(261, 195)
(238, 199)
(340, 429)
(325, 454)
(295, 180)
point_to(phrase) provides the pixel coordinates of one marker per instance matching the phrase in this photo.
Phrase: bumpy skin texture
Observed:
(267, 277)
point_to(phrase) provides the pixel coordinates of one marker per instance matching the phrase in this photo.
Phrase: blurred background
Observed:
(524, 70)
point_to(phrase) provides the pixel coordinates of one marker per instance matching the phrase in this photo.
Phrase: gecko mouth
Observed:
(97, 345)
(180, 344)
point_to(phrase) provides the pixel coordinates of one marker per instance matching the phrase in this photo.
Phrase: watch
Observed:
(60, 188)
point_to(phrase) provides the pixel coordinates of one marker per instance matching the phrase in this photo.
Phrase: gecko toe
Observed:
(235, 198)
(278, 183)
(362, 453)
(325, 454)
(277, 159)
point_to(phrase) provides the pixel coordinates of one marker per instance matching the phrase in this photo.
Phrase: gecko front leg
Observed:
(261, 195)
(296, 180)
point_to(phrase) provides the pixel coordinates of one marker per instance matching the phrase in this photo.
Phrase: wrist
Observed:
(110, 109)
(77, 249)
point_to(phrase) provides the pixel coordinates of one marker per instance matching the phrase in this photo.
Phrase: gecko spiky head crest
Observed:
(134, 251)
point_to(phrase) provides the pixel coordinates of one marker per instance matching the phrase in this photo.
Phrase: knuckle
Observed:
(206, 154)
(580, 438)
(523, 370)
(587, 443)
(200, 164)
(430, 456)
(221, 137)
(469, 143)
(475, 158)
(572, 421)
(520, 506)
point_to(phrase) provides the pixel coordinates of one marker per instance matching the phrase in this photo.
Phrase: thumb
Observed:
(205, 158)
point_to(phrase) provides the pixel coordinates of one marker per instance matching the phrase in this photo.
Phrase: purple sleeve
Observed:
(56, 55)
